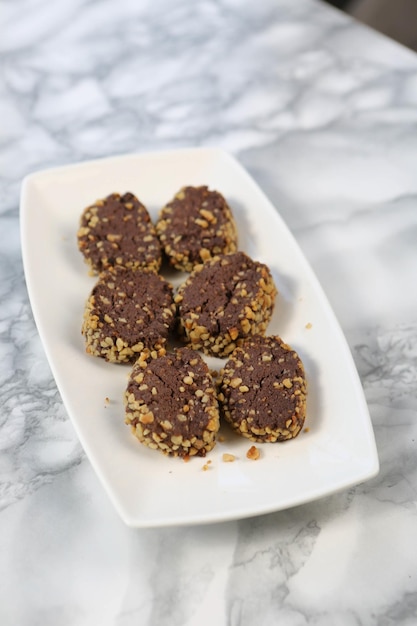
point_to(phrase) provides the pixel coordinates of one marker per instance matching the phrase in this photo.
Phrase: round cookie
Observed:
(118, 231)
(196, 225)
(262, 390)
(223, 301)
(128, 315)
(171, 404)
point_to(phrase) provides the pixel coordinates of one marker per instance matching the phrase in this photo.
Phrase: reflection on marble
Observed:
(323, 113)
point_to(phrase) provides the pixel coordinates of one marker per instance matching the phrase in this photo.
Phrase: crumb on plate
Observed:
(253, 453)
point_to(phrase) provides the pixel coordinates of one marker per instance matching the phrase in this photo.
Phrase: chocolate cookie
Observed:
(128, 315)
(262, 390)
(118, 231)
(223, 301)
(171, 404)
(196, 225)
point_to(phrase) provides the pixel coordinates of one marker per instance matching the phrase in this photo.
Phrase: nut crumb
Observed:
(306, 430)
(253, 453)
(206, 466)
(228, 458)
(221, 438)
(309, 325)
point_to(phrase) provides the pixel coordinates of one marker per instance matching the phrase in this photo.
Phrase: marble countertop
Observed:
(323, 114)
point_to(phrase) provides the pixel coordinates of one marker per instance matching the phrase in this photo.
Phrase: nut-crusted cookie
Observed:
(171, 404)
(224, 300)
(128, 315)
(196, 225)
(262, 390)
(118, 230)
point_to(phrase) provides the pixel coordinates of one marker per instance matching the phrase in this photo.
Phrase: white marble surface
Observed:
(323, 113)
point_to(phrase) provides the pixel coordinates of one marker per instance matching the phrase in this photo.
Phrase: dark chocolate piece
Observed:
(262, 390)
(171, 404)
(128, 315)
(196, 225)
(118, 231)
(223, 301)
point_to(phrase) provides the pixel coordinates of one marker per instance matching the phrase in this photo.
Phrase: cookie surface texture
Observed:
(223, 301)
(262, 390)
(171, 404)
(128, 315)
(196, 225)
(118, 230)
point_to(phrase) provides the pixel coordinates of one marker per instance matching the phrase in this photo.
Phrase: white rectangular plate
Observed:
(336, 449)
